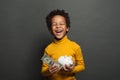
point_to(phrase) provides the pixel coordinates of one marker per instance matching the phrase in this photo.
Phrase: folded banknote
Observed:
(49, 61)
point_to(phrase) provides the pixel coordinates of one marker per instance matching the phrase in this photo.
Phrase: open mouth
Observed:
(58, 31)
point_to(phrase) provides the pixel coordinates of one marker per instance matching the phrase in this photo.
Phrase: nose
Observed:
(57, 25)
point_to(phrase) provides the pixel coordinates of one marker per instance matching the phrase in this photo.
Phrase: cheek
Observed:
(53, 28)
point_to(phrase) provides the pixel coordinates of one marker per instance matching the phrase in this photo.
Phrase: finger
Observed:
(66, 66)
(54, 69)
(53, 66)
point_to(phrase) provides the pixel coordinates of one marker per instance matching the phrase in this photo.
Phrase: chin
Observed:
(59, 37)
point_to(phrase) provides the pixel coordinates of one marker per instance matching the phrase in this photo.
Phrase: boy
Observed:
(58, 23)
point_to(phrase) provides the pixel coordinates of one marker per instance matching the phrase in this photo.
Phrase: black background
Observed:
(95, 25)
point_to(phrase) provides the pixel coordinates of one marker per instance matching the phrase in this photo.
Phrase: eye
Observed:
(62, 24)
(54, 24)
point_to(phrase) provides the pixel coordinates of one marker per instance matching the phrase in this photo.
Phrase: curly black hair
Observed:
(54, 13)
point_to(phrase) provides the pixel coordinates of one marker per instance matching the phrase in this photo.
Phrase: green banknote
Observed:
(49, 61)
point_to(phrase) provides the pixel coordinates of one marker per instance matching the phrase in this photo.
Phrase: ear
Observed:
(68, 29)
(70, 57)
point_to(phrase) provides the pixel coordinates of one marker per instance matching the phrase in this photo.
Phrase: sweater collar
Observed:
(64, 39)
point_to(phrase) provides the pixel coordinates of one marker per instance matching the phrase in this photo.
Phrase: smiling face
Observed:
(59, 27)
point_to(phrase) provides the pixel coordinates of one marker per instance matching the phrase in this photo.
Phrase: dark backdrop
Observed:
(95, 25)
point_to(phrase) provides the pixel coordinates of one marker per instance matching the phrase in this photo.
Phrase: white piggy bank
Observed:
(65, 60)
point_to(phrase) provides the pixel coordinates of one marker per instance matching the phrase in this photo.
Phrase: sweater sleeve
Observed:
(45, 71)
(79, 61)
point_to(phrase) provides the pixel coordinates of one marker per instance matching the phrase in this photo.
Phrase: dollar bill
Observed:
(49, 61)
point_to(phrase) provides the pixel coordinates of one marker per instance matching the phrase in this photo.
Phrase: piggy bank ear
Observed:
(70, 57)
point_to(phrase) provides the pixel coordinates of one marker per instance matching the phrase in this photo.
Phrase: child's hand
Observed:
(54, 68)
(69, 68)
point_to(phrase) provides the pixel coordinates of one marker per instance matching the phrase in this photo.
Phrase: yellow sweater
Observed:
(61, 48)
